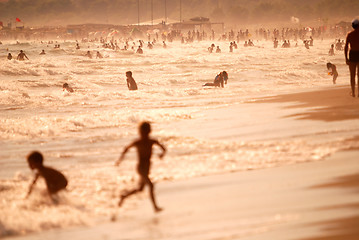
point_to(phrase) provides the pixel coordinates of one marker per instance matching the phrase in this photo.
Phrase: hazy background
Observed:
(63, 12)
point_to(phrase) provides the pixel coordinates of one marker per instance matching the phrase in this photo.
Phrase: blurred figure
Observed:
(42, 52)
(21, 56)
(66, 87)
(98, 55)
(331, 50)
(352, 41)
(9, 56)
(333, 72)
(131, 83)
(55, 180)
(144, 147)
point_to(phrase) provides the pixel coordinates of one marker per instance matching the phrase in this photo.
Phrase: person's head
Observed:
(65, 85)
(225, 74)
(35, 160)
(21, 51)
(355, 23)
(145, 129)
(128, 74)
(329, 65)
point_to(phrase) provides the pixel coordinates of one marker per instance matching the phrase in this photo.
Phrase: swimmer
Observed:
(331, 50)
(218, 50)
(219, 80)
(88, 54)
(352, 42)
(139, 50)
(66, 87)
(22, 56)
(334, 72)
(42, 52)
(98, 55)
(55, 180)
(131, 83)
(9, 56)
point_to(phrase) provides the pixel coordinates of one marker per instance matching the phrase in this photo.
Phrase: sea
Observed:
(83, 133)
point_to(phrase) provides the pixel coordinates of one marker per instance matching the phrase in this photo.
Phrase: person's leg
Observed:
(352, 68)
(357, 68)
(126, 195)
(152, 195)
(335, 77)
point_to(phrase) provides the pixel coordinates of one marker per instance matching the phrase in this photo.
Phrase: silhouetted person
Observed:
(98, 55)
(42, 52)
(9, 56)
(88, 54)
(144, 147)
(55, 180)
(131, 83)
(331, 50)
(334, 72)
(219, 80)
(21, 56)
(66, 87)
(352, 41)
(139, 50)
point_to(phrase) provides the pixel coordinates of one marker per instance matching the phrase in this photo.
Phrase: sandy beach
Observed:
(312, 200)
(308, 201)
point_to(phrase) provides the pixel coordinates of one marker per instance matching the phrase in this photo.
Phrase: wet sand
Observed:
(303, 201)
(317, 200)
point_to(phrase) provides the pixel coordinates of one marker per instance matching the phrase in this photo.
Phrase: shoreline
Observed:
(303, 201)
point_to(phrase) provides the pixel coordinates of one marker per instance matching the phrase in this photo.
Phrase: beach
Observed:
(273, 155)
(308, 201)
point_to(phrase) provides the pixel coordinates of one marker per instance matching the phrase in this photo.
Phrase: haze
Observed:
(232, 12)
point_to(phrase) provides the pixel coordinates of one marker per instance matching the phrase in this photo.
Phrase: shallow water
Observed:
(83, 133)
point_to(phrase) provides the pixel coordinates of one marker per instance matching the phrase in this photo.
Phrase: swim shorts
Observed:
(354, 56)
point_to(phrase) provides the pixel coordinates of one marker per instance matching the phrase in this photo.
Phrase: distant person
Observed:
(164, 44)
(219, 81)
(66, 87)
(77, 46)
(98, 55)
(9, 56)
(352, 41)
(231, 47)
(218, 50)
(42, 52)
(88, 54)
(131, 83)
(333, 72)
(331, 50)
(55, 180)
(275, 43)
(139, 50)
(21, 56)
(144, 147)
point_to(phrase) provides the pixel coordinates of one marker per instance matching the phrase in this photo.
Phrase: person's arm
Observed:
(346, 48)
(124, 153)
(32, 184)
(163, 149)
(26, 57)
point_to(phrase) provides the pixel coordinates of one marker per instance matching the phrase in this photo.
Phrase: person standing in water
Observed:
(131, 83)
(144, 147)
(22, 56)
(352, 60)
